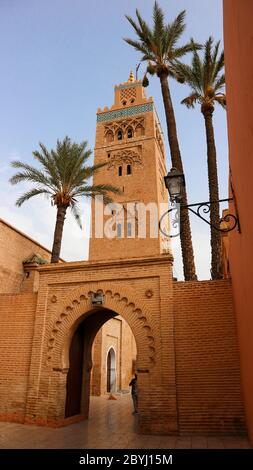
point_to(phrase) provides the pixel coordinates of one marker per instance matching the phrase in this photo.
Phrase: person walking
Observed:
(134, 393)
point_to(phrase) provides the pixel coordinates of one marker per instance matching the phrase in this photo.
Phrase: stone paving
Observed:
(111, 425)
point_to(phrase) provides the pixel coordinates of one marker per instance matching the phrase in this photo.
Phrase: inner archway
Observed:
(112, 365)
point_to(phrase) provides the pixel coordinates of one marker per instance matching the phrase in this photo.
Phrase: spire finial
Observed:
(131, 77)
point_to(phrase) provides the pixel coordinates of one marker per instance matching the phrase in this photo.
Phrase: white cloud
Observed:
(37, 218)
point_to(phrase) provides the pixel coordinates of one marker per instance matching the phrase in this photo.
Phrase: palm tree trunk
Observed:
(216, 264)
(61, 213)
(185, 235)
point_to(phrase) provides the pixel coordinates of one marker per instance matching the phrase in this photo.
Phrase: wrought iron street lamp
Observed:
(175, 183)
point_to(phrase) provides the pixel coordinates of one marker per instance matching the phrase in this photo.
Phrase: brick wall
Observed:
(140, 291)
(207, 361)
(15, 247)
(16, 332)
(185, 335)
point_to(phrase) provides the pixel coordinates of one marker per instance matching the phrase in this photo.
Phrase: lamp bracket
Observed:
(202, 208)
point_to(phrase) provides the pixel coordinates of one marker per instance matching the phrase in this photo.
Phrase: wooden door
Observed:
(75, 374)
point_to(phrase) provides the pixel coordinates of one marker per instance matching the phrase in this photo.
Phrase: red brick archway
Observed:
(73, 310)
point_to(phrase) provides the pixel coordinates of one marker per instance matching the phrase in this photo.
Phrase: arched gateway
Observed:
(56, 394)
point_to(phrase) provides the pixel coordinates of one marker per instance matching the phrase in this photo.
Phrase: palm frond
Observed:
(135, 26)
(76, 213)
(140, 47)
(29, 194)
(219, 66)
(215, 52)
(30, 174)
(147, 35)
(175, 30)
(90, 170)
(220, 83)
(221, 99)
(187, 74)
(158, 31)
(64, 174)
(158, 45)
(207, 64)
(202, 75)
(47, 162)
(190, 100)
(97, 189)
(197, 70)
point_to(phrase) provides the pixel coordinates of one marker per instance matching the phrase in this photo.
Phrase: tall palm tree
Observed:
(159, 48)
(64, 176)
(206, 78)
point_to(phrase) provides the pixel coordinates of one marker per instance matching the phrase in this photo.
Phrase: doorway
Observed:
(111, 371)
(94, 364)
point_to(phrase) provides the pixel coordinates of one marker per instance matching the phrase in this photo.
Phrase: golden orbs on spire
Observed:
(131, 77)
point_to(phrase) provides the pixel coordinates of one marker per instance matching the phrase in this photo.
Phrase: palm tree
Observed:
(160, 50)
(206, 79)
(64, 176)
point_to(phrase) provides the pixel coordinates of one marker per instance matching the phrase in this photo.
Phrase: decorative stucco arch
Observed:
(76, 307)
(63, 319)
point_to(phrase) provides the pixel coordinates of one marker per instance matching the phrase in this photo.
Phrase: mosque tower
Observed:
(129, 139)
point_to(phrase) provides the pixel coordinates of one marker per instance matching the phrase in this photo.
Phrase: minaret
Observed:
(130, 140)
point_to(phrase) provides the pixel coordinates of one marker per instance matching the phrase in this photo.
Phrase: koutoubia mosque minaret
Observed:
(129, 139)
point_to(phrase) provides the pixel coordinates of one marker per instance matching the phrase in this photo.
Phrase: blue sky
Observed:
(60, 60)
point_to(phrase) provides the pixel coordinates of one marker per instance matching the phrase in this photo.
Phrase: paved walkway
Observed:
(111, 425)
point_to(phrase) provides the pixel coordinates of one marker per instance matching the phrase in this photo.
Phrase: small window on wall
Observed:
(120, 170)
(129, 229)
(119, 230)
(119, 134)
(129, 170)
(129, 133)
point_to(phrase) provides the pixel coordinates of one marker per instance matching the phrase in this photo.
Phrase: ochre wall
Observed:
(16, 332)
(15, 247)
(207, 360)
(186, 344)
(140, 291)
(238, 35)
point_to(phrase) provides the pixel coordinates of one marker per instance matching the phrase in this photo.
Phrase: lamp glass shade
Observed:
(174, 182)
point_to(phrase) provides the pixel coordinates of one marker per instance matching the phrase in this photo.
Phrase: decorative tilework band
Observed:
(121, 113)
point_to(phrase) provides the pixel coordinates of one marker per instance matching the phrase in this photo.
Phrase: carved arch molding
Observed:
(79, 303)
(127, 156)
(123, 124)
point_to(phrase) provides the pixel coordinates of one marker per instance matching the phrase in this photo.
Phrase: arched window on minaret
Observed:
(120, 171)
(109, 137)
(130, 133)
(129, 170)
(119, 134)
